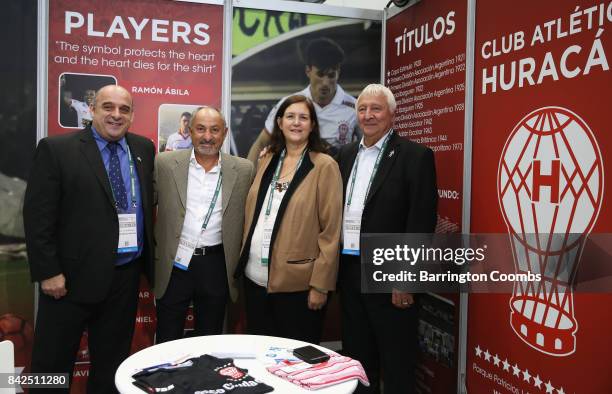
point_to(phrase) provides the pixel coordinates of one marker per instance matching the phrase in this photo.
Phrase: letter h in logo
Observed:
(539, 180)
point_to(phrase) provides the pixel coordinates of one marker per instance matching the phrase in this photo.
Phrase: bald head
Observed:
(111, 88)
(112, 112)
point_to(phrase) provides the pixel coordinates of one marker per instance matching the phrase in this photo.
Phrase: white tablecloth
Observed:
(197, 346)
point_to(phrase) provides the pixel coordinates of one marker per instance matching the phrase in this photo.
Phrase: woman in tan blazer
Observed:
(293, 216)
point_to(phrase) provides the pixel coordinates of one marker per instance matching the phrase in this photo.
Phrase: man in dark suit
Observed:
(389, 187)
(88, 225)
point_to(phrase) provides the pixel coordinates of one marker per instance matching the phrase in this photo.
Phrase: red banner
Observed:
(162, 52)
(541, 138)
(425, 69)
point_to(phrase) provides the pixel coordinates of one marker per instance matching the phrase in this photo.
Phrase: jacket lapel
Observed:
(229, 179)
(180, 174)
(94, 158)
(386, 163)
(298, 177)
(347, 165)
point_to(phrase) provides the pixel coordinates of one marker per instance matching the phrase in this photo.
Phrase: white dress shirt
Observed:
(367, 159)
(200, 191)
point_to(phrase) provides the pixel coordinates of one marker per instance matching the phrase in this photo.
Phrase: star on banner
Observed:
(537, 382)
(506, 365)
(516, 370)
(526, 375)
(487, 355)
(496, 360)
(478, 351)
(560, 391)
(549, 387)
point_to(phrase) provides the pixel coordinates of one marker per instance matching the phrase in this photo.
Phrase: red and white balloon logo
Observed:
(550, 188)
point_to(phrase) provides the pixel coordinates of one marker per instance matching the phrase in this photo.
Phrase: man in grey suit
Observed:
(201, 194)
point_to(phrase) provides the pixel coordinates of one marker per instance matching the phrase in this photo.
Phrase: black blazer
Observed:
(403, 197)
(70, 222)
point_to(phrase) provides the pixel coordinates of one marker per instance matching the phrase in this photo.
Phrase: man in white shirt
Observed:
(335, 108)
(82, 108)
(201, 194)
(75, 113)
(182, 138)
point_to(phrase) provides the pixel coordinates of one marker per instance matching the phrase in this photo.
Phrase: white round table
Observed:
(196, 346)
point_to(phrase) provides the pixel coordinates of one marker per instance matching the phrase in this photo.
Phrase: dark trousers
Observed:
(281, 314)
(379, 335)
(110, 325)
(205, 282)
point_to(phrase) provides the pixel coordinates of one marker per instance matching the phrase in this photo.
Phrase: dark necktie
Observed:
(116, 179)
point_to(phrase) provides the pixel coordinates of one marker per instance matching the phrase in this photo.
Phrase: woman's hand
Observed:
(316, 299)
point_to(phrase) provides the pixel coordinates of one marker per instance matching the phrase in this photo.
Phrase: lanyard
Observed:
(277, 172)
(213, 202)
(372, 175)
(132, 181)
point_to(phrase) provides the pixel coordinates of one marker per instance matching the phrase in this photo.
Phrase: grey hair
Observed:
(376, 89)
(195, 112)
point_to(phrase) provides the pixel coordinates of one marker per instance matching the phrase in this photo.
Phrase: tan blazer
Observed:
(170, 185)
(306, 234)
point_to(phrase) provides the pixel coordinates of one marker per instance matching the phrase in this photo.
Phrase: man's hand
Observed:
(263, 139)
(55, 286)
(316, 299)
(401, 299)
(264, 151)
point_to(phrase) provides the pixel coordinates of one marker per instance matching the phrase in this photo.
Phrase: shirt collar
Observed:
(306, 92)
(194, 162)
(378, 145)
(339, 97)
(102, 143)
(337, 100)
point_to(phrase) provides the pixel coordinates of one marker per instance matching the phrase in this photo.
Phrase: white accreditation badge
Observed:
(128, 233)
(184, 251)
(265, 245)
(351, 228)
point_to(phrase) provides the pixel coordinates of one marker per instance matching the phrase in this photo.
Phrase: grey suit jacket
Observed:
(170, 187)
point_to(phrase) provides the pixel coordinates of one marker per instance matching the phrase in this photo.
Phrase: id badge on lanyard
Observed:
(190, 236)
(268, 223)
(184, 251)
(128, 233)
(128, 226)
(351, 228)
(265, 244)
(351, 225)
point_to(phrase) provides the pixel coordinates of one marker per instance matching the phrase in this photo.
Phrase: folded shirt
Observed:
(202, 375)
(338, 369)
